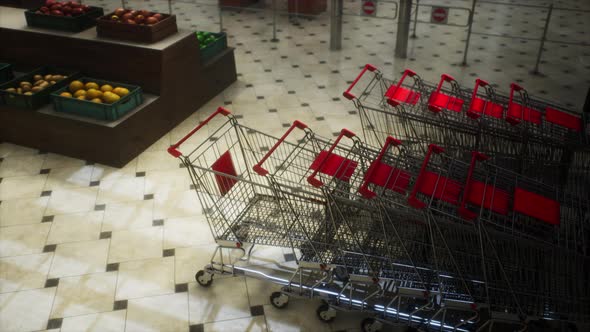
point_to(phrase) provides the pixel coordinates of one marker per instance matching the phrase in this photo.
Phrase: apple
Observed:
(74, 4)
(157, 16)
(119, 12)
(38, 12)
(127, 16)
(66, 9)
(145, 13)
(50, 3)
(130, 21)
(45, 9)
(57, 13)
(77, 11)
(134, 13)
(139, 19)
(85, 8)
(151, 20)
(56, 6)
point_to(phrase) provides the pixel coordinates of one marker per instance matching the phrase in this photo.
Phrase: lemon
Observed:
(66, 94)
(79, 93)
(121, 92)
(91, 85)
(81, 97)
(110, 97)
(106, 88)
(75, 86)
(93, 93)
(96, 100)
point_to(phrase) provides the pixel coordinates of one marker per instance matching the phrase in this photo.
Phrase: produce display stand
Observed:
(163, 70)
(105, 27)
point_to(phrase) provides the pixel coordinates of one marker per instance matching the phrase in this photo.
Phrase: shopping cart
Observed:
(510, 130)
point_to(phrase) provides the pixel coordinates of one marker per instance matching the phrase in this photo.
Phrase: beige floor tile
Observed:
(82, 295)
(113, 321)
(136, 244)
(26, 310)
(22, 187)
(300, 316)
(176, 204)
(70, 177)
(224, 299)
(164, 313)
(187, 232)
(160, 181)
(190, 260)
(128, 215)
(263, 255)
(155, 160)
(259, 291)
(106, 173)
(59, 161)
(148, 277)
(71, 200)
(9, 149)
(121, 190)
(75, 227)
(22, 211)
(21, 165)
(252, 324)
(77, 258)
(23, 240)
(24, 272)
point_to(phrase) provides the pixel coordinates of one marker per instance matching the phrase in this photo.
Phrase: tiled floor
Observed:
(88, 247)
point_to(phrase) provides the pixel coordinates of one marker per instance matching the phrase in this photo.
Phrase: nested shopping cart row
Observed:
(381, 229)
(529, 135)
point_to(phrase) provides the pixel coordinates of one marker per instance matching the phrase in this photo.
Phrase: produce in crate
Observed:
(39, 83)
(205, 38)
(63, 8)
(129, 16)
(93, 92)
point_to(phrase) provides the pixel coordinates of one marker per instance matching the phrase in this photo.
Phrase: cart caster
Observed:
(371, 325)
(325, 313)
(279, 300)
(204, 279)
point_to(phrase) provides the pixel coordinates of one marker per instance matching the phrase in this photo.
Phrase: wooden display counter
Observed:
(170, 72)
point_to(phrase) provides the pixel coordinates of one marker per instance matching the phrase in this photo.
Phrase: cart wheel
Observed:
(279, 300)
(325, 313)
(204, 279)
(371, 325)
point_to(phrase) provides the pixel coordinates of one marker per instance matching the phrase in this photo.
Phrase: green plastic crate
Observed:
(89, 109)
(64, 23)
(216, 47)
(37, 99)
(6, 73)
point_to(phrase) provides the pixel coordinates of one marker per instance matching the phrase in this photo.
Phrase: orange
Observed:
(79, 93)
(81, 97)
(96, 100)
(66, 94)
(93, 93)
(121, 92)
(75, 86)
(106, 88)
(91, 85)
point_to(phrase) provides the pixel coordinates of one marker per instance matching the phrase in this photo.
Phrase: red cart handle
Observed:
(364, 188)
(258, 167)
(463, 211)
(478, 82)
(511, 118)
(412, 199)
(347, 93)
(312, 179)
(407, 72)
(173, 149)
(443, 78)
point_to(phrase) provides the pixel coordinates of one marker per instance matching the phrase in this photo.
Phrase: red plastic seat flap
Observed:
(389, 177)
(536, 206)
(334, 165)
(402, 95)
(440, 187)
(224, 164)
(443, 101)
(563, 119)
(489, 197)
(479, 106)
(517, 113)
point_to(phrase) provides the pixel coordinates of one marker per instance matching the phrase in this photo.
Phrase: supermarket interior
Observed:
(294, 165)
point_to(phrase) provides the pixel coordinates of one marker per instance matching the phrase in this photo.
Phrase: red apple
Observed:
(66, 9)
(85, 8)
(56, 6)
(119, 12)
(127, 16)
(74, 4)
(151, 20)
(57, 13)
(45, 9)
(130, 22)
(145, 13)
(77, 11)
(68, 15)
(157, 16)
(134, 13)
(49, 3)
(139, 19)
